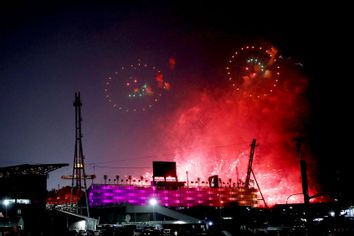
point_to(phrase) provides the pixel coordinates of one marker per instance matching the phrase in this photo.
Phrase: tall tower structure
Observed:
(305, 189)
(78, 186)
(78, 197)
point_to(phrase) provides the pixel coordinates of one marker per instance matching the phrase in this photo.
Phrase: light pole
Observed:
(153, 202)
(220, 204)
(6, 203)
(286, 203)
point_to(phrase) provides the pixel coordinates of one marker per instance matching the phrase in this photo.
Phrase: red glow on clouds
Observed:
(211, 132)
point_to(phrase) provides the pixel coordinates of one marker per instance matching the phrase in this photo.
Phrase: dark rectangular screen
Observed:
(164, 169)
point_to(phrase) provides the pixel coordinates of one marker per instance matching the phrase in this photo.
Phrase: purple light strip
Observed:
(100, 195)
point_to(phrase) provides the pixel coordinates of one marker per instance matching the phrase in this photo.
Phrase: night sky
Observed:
(49, 52)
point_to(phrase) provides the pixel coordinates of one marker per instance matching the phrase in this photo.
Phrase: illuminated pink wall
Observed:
(100, 195)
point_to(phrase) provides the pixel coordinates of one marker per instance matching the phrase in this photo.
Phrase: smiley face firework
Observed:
(135, 87)
(254, 71)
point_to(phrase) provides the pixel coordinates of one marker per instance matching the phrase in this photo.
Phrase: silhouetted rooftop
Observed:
(26, 169)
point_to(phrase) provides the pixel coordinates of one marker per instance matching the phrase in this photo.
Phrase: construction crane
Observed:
(250, 162)
(250, 171)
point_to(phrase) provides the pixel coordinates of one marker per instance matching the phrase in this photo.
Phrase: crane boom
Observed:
(249, 169)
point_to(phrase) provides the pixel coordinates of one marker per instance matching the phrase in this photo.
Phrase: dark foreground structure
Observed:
(24, 212)
(323, 219)
(23, 195)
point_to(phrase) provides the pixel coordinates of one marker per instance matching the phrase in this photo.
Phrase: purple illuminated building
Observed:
(111, 194)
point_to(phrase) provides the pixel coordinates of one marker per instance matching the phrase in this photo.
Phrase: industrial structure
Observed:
(250, 171)
(78, 197)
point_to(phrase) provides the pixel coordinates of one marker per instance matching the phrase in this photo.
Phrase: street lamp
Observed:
(6, 202)
(153, 202)
(287, 199)
(220, 204)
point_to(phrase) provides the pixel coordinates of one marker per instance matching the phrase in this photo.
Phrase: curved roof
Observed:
(26, 169)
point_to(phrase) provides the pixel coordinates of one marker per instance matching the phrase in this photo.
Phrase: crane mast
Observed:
(250, 162)
(250, 171)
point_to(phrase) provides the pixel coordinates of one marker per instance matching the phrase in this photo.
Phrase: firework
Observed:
(135, 87)
(254, 70)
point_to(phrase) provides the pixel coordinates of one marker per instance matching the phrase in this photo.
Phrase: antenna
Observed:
(78, 185)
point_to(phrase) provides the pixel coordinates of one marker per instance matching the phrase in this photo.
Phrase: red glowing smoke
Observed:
(211, 132)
